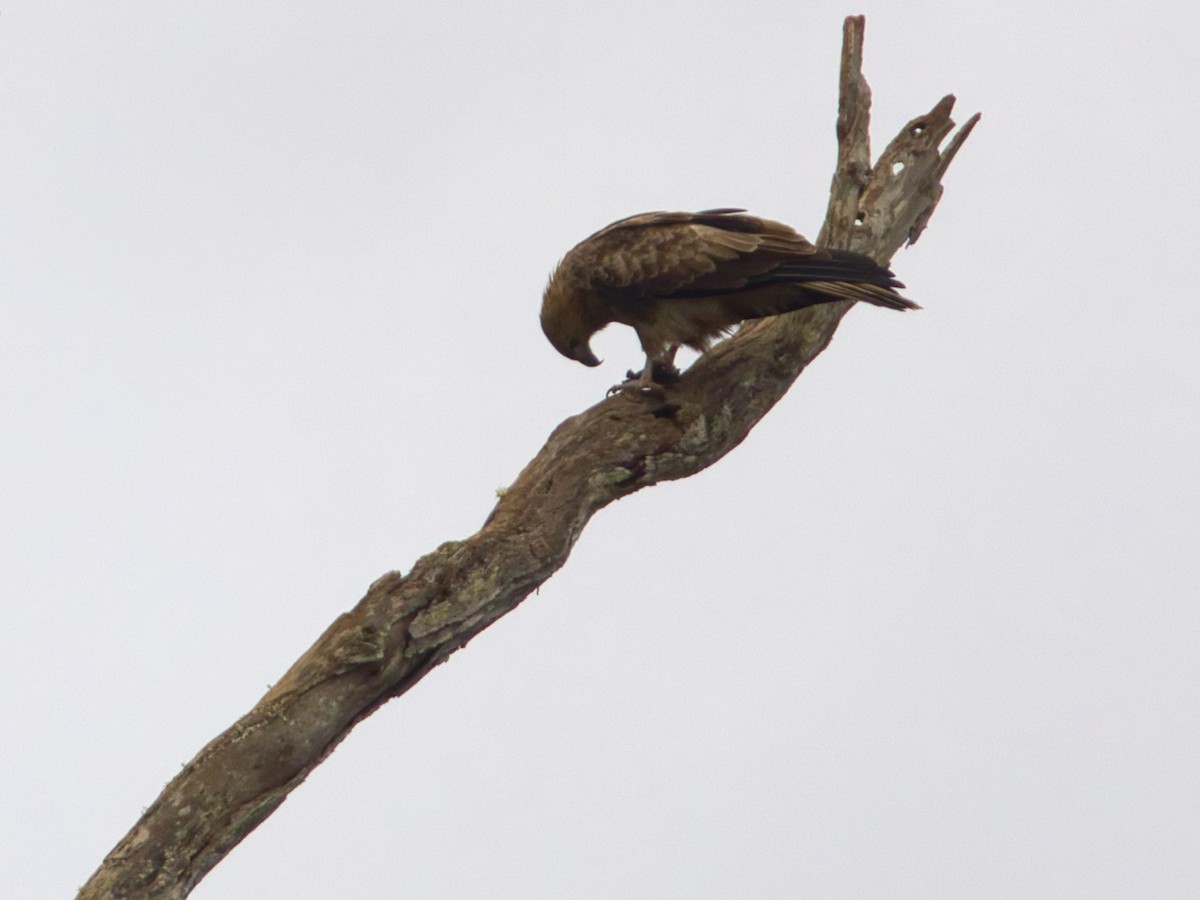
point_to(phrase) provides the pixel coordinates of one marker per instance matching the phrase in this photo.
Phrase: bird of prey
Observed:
(680, 278)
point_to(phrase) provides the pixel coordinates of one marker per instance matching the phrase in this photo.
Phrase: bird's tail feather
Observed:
(868, 293)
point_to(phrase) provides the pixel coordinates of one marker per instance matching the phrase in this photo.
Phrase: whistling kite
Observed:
(682, 278)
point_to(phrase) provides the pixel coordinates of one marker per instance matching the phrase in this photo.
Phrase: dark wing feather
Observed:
(821, 276)
(844, 265)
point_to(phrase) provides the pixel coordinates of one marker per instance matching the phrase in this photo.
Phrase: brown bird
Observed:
(682, 278)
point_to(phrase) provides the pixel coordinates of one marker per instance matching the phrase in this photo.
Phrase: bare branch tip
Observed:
(853, 32)
(943, 107)
(956, 143)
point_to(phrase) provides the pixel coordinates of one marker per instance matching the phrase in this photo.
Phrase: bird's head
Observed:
(567, 325)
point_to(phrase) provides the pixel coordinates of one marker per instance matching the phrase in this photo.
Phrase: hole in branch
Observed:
(897, 168)
(859, 218)
(918, 128)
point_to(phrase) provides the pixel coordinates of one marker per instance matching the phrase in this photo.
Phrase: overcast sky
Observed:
(269, 279)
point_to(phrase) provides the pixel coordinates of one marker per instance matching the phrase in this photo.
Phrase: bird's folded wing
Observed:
(658, 255)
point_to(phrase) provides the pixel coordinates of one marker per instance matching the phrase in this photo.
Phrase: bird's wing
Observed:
(662, 255)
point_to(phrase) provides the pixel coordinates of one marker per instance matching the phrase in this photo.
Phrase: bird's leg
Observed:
(645, 381)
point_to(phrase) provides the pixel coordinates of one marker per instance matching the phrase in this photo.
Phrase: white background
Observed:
(269, 277)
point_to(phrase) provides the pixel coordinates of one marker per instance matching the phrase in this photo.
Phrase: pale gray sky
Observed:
(269, 276)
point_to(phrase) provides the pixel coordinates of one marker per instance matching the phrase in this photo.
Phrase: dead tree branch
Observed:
(409, 623)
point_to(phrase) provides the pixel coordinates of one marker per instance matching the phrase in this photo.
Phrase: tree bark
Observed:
(409, 623)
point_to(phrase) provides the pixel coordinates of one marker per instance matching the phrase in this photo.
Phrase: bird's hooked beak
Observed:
(583, 353)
